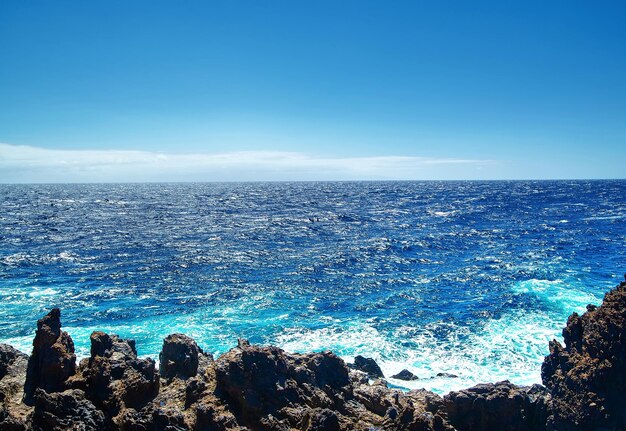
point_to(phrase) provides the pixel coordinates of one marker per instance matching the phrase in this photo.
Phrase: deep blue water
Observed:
(470, 278)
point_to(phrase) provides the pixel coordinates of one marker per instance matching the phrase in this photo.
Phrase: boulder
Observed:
(179, 357)
(498, 406)
(405, 375)
(68, 410)
(114, 378)
(369, 366)
(322, 420)
(447, 375)
(587, 376)
(13, 364)
(258, 382)
(53, 360)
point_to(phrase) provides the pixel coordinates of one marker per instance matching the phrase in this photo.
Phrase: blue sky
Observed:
(233, 90)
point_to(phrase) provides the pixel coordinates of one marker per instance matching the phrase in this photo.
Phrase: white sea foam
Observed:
(567, 295)
(511, 347)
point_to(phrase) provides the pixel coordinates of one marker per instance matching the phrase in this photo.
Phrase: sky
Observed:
(110, 91)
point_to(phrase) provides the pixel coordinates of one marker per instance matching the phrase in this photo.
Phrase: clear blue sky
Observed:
(315, 90)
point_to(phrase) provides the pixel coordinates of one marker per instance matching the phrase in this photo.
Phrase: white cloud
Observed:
(33, 164)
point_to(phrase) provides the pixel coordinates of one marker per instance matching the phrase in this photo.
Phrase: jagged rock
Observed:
(405, 375)
(253, 388)
(13, 364)
(376, 397)
(321, 420)
(447, 375)
(8, 422)
(498, 406)
(369, 366)
(152, 418)
(259, 381)
(9, 357)
(68, 410)
(401, 411)
(587, 377)
(179, 357)
(213, 418)
(53, 359)
(114, 378)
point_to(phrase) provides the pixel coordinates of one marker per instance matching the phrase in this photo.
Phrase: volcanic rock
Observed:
(405, 375)
(498, 406)
(179, 357)
(53, 359)
(369, 366)
(587, 377)
(260, 381)
(447, 375)
(114, 378)
(13, 364)
(68, 410)
(254, 388)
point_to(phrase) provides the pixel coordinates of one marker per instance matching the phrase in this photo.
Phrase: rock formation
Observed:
(405, 375)
(179, 357)
(13, 413)
(368, 366)
(265, 388)
(587, 377)
(52, 360)
(499, 406)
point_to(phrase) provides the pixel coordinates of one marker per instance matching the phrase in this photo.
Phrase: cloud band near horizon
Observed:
(28, 164)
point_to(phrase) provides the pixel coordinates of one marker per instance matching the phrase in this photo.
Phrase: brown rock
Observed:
(369, 366)
(498, 406)
(258, 382)
(13, 364)
(68, 410)
(405, 375)
(587, 377)
(179, 357)
(114, 378)
(53, 360)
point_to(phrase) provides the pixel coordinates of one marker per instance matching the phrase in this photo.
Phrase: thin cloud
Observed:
(34, 164)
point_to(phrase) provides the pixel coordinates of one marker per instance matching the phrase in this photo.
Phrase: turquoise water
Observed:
(469, 278)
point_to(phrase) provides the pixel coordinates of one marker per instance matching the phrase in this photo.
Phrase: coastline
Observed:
(265, 388)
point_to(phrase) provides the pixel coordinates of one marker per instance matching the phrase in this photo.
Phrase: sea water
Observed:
(465, 278)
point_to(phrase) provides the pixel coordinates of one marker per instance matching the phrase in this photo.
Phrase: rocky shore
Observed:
(265, 388)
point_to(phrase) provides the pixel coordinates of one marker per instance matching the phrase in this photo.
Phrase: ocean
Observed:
(465, 278)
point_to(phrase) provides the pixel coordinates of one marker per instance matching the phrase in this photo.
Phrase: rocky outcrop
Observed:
(114, 378)
(498, 406)
(368, 366)
(179, 357)
(68, 410)
(265, 388)
(587, 376)
(263, 382)
(52, 360)
(405, 375)
(13, 364)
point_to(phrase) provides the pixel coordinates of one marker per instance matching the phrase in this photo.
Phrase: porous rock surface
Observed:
(587, 376)
(52, 360)
(265, 388)
(498, 406)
